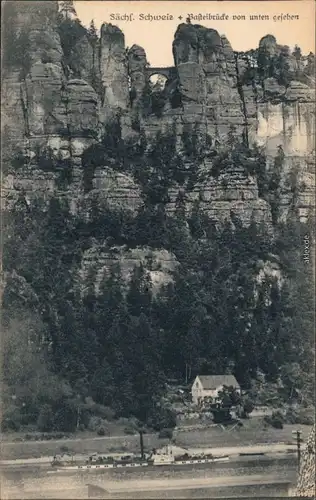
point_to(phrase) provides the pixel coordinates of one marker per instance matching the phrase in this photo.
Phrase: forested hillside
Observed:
(120, 345)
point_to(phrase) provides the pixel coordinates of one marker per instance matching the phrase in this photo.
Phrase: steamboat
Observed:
(168, 456)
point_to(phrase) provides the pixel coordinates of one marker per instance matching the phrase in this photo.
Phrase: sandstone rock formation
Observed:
(83, 60)
(117, 190)
(39, 63)
(137, 62)
(113, 65)
(207, 80)
(62, 104)
(232, 193)
(159, 264)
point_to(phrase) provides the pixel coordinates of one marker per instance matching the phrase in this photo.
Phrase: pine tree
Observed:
(297, 53)
(139, 295)
(264, 63)
(145, 360)
(231, 137)
(109, 306)
(196, 221)
(92, 31)
(180, 212)
(275, 184)
(283, 72)
(67, 9)
(178, 229)
(102, 384)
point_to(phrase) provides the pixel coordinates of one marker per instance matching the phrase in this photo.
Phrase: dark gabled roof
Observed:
(214, 381)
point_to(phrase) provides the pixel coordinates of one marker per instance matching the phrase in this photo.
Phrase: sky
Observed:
(156, 36)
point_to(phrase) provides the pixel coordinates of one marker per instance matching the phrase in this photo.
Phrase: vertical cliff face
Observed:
(113, 66)
(137, 63)
(158, 263)
(58, 100)
(281, 112)
(33, 78)
(208, 80)
(84, 59)
(34, 48)
(291, 124)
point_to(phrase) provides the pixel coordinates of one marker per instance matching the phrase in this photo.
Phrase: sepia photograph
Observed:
(157, 249)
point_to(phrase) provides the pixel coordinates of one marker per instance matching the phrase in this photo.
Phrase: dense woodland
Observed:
(120, 346)
(112, 353)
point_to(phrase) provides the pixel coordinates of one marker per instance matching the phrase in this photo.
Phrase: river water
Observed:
(263, 477)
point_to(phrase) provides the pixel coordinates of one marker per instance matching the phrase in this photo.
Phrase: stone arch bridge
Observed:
(168, 72)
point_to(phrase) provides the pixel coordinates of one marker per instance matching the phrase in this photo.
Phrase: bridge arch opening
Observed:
(157, 82)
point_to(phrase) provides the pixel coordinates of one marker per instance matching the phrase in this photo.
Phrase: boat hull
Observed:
(201, 463)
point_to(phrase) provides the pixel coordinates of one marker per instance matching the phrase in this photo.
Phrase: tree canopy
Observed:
(119, 342)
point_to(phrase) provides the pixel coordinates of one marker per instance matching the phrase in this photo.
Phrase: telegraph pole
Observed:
(299, 440)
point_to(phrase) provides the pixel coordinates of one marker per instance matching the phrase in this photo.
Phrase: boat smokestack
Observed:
(141, 440)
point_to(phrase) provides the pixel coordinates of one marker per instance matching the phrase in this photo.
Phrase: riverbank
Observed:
(259, 475)
(234, 451)
(209, 438)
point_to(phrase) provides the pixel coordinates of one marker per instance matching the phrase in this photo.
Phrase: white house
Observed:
(205, 386)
